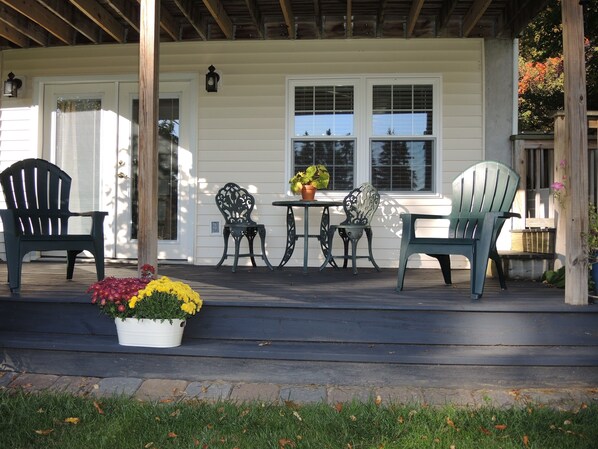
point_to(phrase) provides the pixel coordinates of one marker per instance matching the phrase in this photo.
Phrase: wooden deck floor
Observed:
(291, 287)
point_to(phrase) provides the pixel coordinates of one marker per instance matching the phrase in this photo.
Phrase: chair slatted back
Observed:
(361, 204)
(236, 204)
(485, 187)
(38, 192)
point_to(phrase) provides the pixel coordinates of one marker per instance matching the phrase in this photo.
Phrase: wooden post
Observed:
(560, 175)
(149, 52)
(576, 150)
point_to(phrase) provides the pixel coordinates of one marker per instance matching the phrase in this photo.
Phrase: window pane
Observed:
(322, 111)
(336, 155)
(402, 165)
(402, 110)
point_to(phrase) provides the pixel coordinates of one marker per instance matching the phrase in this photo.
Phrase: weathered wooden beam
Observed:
(318, 18)
(191, 13)
(289, 17)
(221, 17)
(256, 17)
(169, 24)
(74, 18)
(416, 7)
(576, 150)
(12, 35)
(102, 18)
(149, 55)
(40, 15)
(474, 15)
(129, 11)
(349, 19)
(448, 8)
(519, 16)
(380, 17)
(25, 27)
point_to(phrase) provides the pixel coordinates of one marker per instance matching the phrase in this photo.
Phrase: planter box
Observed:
(149, 333)
(533, 240)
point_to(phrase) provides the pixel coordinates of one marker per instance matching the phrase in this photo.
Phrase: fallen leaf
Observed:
(172, 435)
(195, 442)
(284, 442)
(98, 408)
(400, 420)
(436, 440)
(148, 445)
(245, 412)
(44, 431)
(567, 422)
(353, 418)
(296, 415)
(290, 404)
(177, 412)
(450, 422)
(500, 426)
(338, 407)
(525, 440)
(72, 420)
(166, 401)
(452, 446)
(485, 431)
(378, 400)
(41, 410)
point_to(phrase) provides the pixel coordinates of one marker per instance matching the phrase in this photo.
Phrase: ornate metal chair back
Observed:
(235, 203)
(361, 204)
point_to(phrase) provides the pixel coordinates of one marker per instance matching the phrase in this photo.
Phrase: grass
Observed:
(67, 422)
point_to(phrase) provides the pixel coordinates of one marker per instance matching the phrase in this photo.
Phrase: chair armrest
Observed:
(410, 219)
(8, 222)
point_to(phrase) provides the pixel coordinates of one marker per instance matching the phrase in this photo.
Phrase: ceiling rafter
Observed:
(448, 7)
(221, 17)
(474, 15)
(14, 36)
(74, 18)
(169, 24)
(520, 15)
(289, 17)
(44, 18)
(414, 11)
(102, 18)
(349, 19)
(29, 29)
(129, 11)
(380, 17)
(318, 19)
(191, 13)
(256, 17)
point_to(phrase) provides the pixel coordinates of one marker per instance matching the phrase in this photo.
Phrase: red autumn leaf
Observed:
(338, 407)
(485, 431)
(284, 442)
(500, 426)
(525, 440)
(172, 435)
(450, 422)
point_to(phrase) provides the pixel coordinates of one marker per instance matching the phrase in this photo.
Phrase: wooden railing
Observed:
(533, 156)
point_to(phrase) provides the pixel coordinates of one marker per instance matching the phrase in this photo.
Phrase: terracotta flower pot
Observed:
(308, 193)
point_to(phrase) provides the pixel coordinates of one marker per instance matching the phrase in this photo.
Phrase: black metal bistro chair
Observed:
(481, 200)
(37, 218)
(236, 204)
(359, 205)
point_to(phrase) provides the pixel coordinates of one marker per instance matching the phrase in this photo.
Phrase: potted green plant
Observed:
(307, 182)
(147, 311)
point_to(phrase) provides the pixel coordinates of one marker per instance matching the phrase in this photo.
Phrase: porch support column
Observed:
(576, 152)
(149, 53)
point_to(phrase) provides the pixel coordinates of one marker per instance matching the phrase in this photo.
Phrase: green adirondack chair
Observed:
(481, 200)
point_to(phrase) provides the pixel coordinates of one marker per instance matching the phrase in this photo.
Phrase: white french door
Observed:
(91, 132)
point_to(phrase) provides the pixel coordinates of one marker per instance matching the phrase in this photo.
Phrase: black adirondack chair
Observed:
(37, 218)
(359, 205)
(482, 198)
(236, 205)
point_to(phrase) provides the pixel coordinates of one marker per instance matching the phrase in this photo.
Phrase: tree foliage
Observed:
(541, 66)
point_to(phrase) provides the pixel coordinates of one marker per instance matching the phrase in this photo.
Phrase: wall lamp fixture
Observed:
(11, 85)
(212, 79)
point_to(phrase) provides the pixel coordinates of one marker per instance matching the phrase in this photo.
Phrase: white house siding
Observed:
(241, 128)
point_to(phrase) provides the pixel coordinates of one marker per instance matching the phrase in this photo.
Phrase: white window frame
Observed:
(363, 111)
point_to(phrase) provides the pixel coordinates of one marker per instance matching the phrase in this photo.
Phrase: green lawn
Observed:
(71, 422)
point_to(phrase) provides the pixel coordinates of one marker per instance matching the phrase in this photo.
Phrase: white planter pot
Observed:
(149, 333)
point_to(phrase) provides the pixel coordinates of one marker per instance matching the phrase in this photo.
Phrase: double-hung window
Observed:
(384, 130)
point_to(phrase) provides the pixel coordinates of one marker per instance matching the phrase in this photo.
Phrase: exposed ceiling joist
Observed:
(169, 24)
(27, 28)
(474, 15)
(349, 19)
(380, 17)
(520, 14)
(102, 18)
(289, 17)
(448, 7)
(129, 11)
(414, 11)
(73, 17)
(221, 17)
(44, 18)
(191, 13)
(256, 17)
(13, 35)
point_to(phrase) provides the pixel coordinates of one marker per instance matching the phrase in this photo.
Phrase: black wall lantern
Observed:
(11, 85)
(212, 79)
